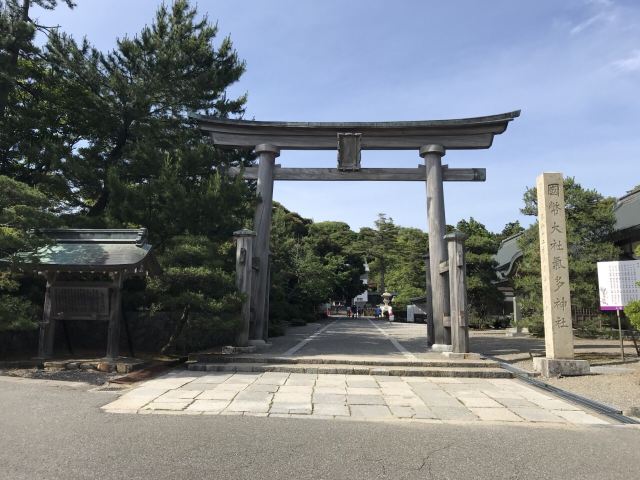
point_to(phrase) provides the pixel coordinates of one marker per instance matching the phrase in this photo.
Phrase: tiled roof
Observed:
(627, 212)
(92, 250)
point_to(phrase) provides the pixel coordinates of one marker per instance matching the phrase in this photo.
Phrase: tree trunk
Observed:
(184, 318)
(101, 204)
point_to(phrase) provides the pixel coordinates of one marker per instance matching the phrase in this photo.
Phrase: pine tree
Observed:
(21, 208)
(379, 246)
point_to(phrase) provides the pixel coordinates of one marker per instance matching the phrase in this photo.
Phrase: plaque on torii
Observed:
(431, 138)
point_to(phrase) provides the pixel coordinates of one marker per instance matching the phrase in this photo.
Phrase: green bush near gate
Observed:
(632, 311)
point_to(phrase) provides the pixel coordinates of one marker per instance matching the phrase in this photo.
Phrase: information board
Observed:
(618, 283)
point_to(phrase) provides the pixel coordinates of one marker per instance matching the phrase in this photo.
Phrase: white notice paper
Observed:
(617, 283)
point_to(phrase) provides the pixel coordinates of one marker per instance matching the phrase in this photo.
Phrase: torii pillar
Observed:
(432, 155)
(259, 329)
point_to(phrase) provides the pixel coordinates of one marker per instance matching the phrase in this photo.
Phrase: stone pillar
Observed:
(516, 330)
(262, 226)
(244, 261)
(458, 289)
(432, 155)
(48, 324)
(516, 314)
(556, 296)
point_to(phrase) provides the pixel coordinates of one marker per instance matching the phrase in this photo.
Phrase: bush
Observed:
(17, 314)
(535, 324)
(501, 321)
(590, 329)
(632, 311)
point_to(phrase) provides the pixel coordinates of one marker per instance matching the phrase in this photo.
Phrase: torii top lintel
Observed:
(456, 134)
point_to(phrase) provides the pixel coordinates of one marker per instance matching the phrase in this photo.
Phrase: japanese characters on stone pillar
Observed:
(554, 265)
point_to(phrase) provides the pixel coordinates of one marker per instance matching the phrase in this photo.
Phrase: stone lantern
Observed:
(385, 307)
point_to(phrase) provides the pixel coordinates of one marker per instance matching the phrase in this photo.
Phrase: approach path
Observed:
(359, 337)
(351, 397)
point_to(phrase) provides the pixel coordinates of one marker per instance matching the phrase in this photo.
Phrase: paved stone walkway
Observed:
(358, 397)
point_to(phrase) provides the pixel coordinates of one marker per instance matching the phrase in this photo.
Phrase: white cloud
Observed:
(631, 63)
(604, 12)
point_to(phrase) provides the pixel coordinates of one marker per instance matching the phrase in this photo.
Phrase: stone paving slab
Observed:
(340, 396)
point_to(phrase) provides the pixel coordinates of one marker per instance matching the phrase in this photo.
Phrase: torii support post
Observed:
(262, 226)
(429, 299)
(432, 155)
(115, 313)
(244, 261)
(48, 323)
(458, 289)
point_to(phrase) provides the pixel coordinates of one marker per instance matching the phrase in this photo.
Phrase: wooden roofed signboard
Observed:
(111, 255)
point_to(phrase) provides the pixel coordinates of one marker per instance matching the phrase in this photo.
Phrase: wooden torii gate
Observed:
(430, 138)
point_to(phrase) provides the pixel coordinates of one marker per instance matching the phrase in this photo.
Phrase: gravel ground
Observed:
(613, 382)
(618, 390)
(92, 377)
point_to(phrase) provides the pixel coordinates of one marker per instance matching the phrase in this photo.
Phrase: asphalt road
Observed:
(52, 432)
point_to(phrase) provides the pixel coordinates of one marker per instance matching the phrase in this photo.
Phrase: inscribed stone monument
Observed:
(556, 294)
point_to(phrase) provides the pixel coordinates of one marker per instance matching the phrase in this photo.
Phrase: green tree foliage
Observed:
(406, 270)
(510, 229)
(481, 246)
(21, 208)
(378, 245)
(396, 258)
(132, 108)
(17, 50)
(32, 128)
(197, 289)
(112, 139)
(333, 243)
(632, 310)
(590, 222)
(312, 263)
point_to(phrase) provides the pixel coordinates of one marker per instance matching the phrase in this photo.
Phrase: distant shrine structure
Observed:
(430, 139)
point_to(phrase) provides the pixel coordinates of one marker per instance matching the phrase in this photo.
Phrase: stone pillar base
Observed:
(259, 343)
(552, 367)
(514, 332)
(441, 347)
(232, 349)
(461, 356)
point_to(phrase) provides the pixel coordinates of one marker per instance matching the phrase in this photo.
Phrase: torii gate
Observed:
(430, 138)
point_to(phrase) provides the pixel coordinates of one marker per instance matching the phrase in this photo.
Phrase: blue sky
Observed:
(573, 67)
